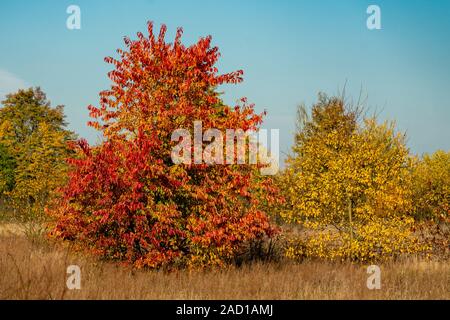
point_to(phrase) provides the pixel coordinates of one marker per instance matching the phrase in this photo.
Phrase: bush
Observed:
(378, 240)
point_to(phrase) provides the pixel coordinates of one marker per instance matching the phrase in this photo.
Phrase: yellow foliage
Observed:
(42, 170)
(350, 183)
(33, 134)
(431, 186)
(380, 239)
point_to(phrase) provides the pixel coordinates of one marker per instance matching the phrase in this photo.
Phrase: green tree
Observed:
(34, 138)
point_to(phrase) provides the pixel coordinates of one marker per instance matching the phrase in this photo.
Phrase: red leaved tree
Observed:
(126, 200)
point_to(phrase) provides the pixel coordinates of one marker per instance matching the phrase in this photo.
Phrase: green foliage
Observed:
(33, 142)
(7, 167)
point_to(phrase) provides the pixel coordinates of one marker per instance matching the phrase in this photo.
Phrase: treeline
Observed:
(351, 189)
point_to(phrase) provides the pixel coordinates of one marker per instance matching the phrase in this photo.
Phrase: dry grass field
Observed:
(31, 268)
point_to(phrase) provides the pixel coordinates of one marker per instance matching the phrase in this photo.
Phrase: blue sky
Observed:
(289, 51)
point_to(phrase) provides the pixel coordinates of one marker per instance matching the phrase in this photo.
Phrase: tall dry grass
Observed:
(31, 269)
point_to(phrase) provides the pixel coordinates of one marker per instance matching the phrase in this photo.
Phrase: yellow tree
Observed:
(348, 182)
(431, 189)
(432, 186)
(34, 138)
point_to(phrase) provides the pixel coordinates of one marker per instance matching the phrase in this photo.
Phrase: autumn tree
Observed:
(127, 200)
(33, 149)
(432, 186)
(348, 182)
(431, 200)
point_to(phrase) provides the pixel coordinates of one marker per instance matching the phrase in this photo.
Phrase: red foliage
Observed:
(126, 200)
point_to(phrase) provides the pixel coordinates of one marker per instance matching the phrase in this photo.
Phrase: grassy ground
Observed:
(33, 269)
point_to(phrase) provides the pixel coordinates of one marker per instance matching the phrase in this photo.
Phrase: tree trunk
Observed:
(350, 218)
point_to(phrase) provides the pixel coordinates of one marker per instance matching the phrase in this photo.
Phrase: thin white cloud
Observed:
(10, 83)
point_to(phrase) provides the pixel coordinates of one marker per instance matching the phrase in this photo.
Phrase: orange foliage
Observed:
(126, 200)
